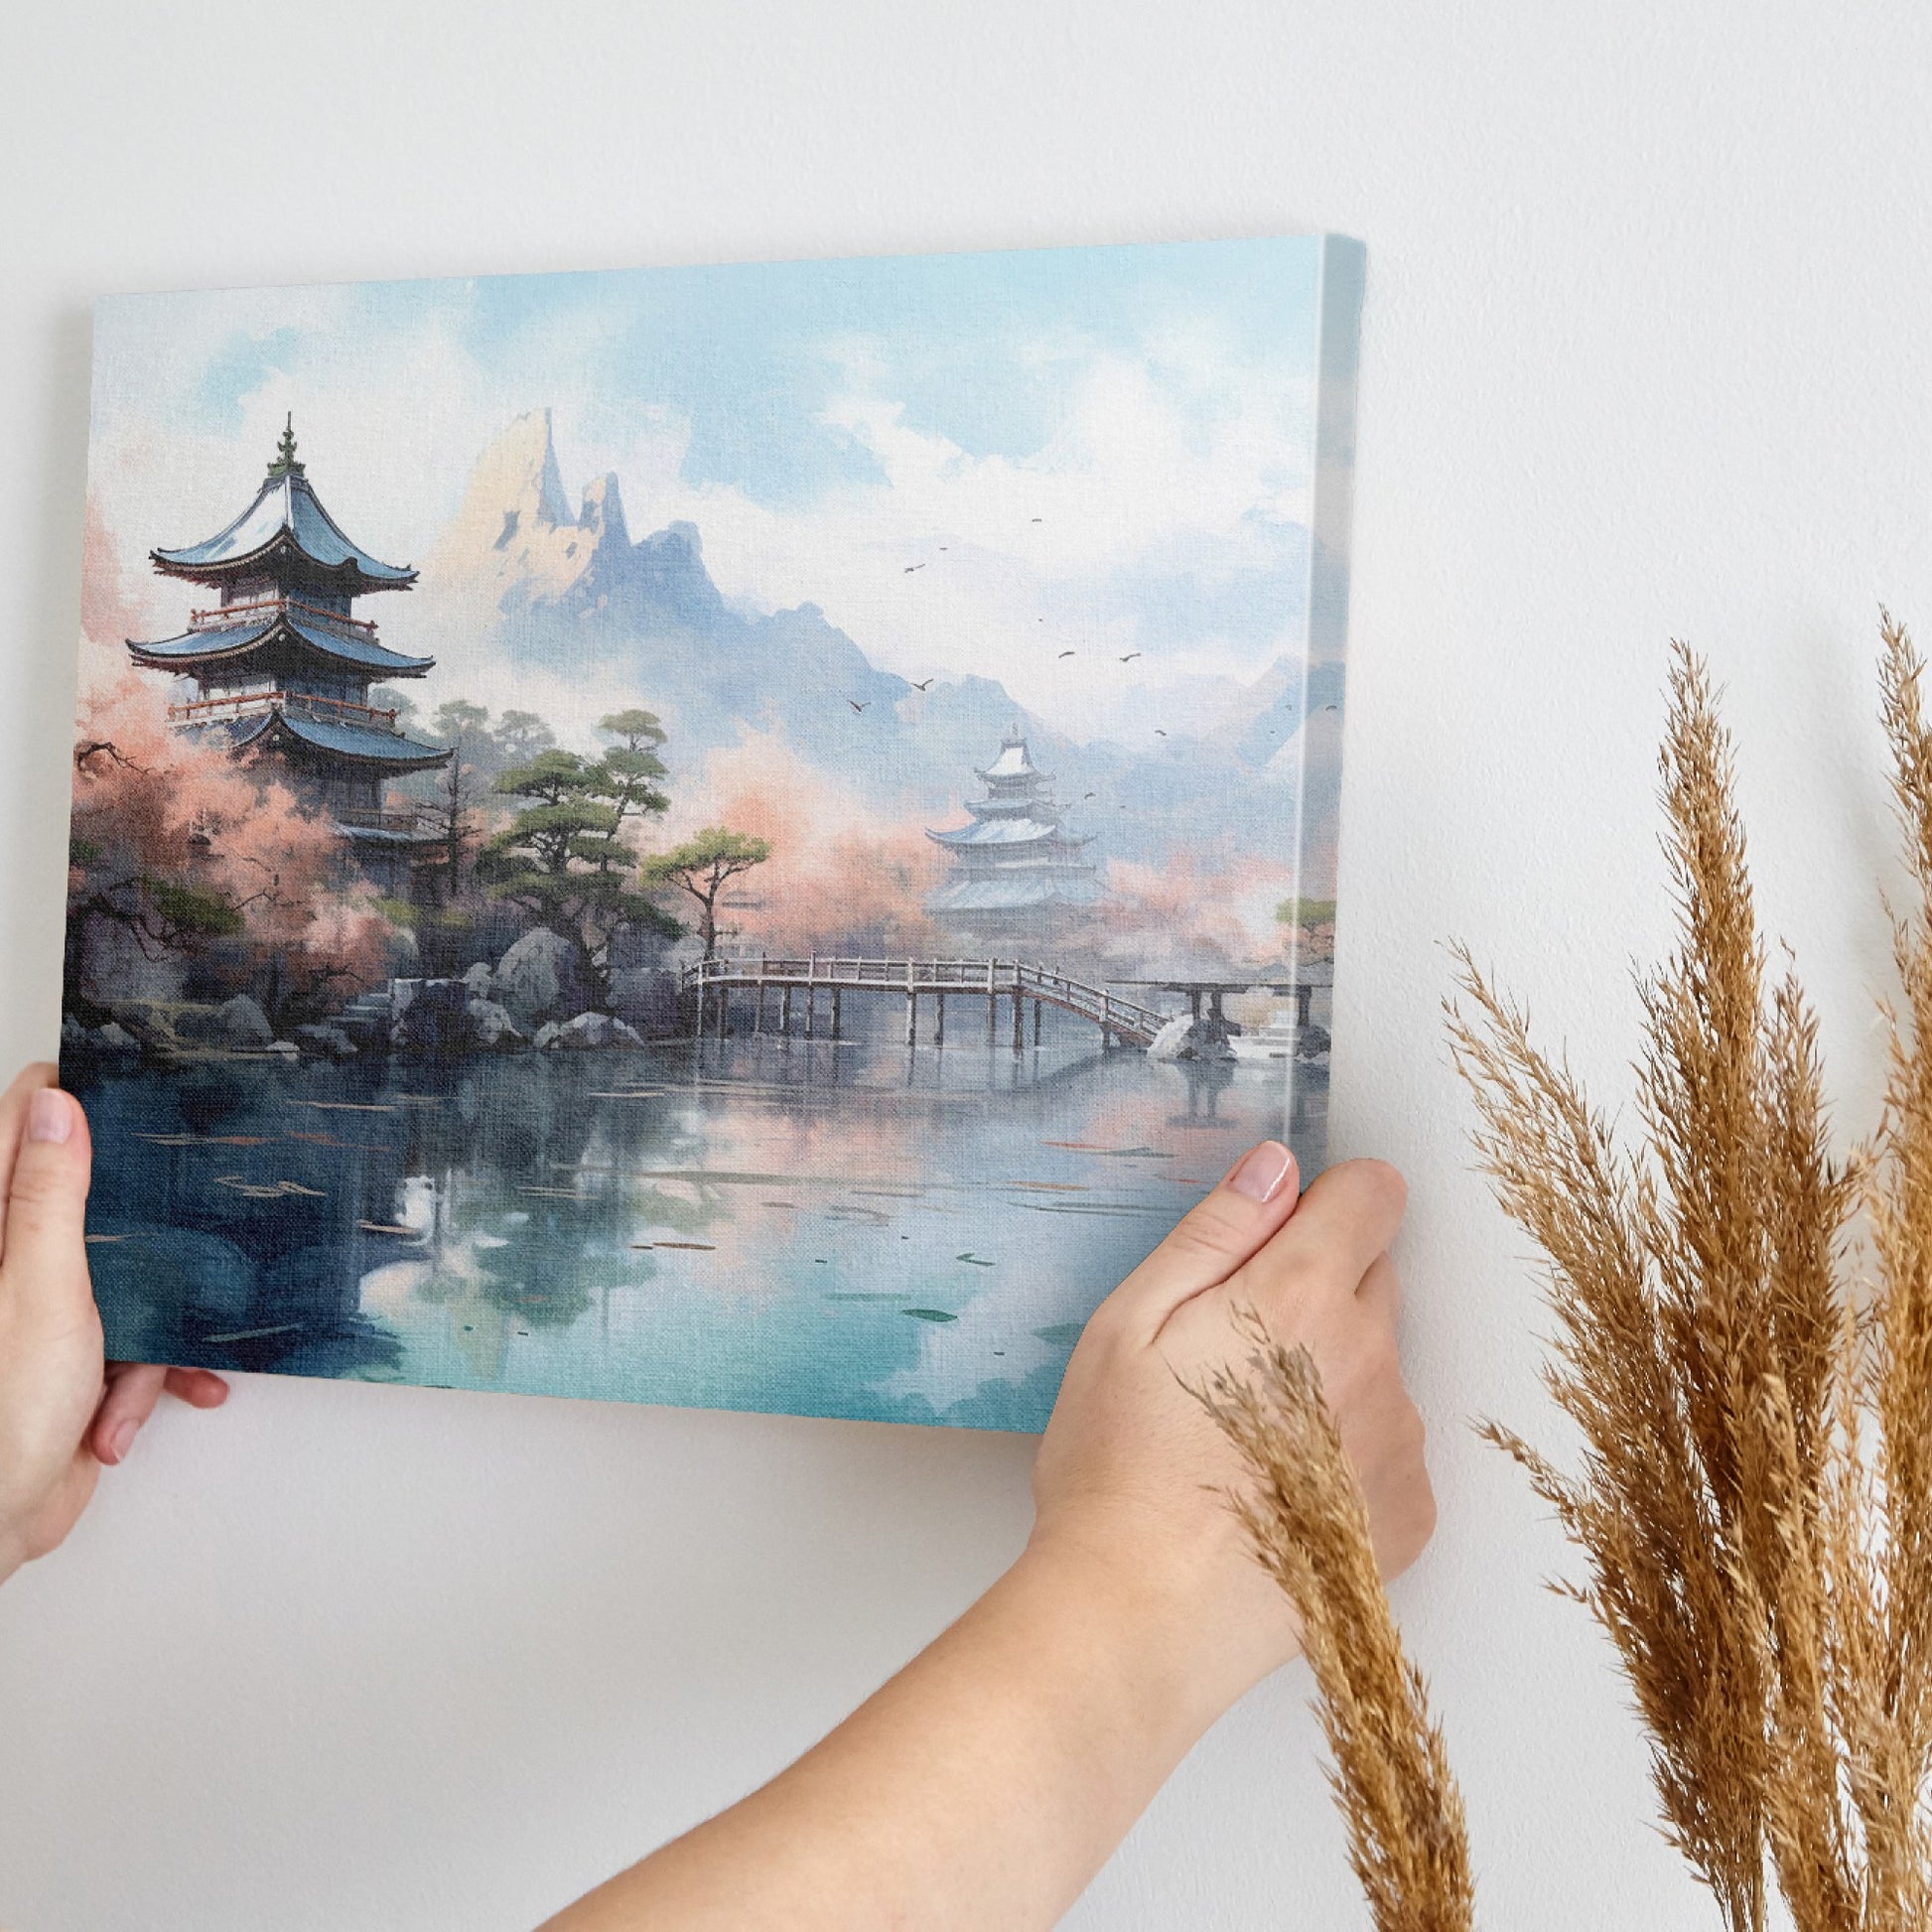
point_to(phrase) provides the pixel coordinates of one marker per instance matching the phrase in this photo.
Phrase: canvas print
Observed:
(746, 837)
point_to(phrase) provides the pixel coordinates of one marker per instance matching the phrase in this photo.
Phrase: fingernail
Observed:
(1260, 1174)
(122, 1440)
(50, 1115)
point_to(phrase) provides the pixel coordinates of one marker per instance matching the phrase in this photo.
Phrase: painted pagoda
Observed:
(1016, 870)
(281, 670)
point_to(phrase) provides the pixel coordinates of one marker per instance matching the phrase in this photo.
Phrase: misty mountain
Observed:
(573, 593)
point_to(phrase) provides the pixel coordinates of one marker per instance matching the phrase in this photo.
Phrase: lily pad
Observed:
(929, 1315)
(1063, 1335)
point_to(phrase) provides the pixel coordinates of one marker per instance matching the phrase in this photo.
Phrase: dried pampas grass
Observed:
(1309, 1525)
(1753, 1390)
(1754, 1495)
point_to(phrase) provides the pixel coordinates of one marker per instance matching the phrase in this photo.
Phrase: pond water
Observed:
(854, 1229)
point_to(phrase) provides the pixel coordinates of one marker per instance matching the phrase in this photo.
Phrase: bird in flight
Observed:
(910, 568)
(1068, 653)
(1038, 519)
(856, 705)
(1085, 795)
(1130, 657)
(927, 685)
(1332, 707)
(1158, 733)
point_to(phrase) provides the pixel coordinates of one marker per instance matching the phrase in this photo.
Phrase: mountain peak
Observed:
(603, 511)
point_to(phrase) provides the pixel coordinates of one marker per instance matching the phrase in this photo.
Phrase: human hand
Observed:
(1130, 1479)
(63, 1411)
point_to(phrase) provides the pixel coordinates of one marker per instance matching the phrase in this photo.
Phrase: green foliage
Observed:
(563, 857)
(400, 911)
(193, 912)
(1305, 911)
(702, 867)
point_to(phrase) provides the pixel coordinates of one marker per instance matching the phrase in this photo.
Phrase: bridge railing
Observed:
(990, 977)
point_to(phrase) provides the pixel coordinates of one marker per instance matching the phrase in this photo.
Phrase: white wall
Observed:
(1645, 354)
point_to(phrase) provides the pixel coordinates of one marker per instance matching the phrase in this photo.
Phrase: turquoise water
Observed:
(853, 1229)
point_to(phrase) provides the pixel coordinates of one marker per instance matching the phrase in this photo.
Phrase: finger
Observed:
(200, 1388)
(13, 1122)
(1380, 1293)
(1347, 1217)
(128, 1403)
(45, 1255)
(1214, 1237)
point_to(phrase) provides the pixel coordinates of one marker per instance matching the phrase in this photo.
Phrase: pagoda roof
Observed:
(342, 645)
(1017, 892)
(1016, 761)
(1008, 832)
(355, 741)
(286, 522)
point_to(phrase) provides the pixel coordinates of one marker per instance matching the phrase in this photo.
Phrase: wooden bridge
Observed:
(777, 984)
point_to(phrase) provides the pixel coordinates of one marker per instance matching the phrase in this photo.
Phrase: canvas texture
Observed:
(738, 837)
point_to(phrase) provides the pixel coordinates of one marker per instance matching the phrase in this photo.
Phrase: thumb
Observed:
(43, 1261)
(1214, 1237)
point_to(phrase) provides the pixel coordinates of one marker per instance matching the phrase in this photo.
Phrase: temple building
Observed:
(1017, 872)
(281, 670)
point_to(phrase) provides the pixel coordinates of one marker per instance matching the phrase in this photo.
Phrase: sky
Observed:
(1113, 444)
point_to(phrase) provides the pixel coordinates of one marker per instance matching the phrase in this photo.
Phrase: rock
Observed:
(166, 1027)
(325, 1040)
(241, 1024)
(1313, 1044)
(1186, 1038)
(73, 1032)
(282, 1050)
(490, 1026)
(546, 1035)
(592, 1029)
(542, 978)
(480, 980)
(116, 1038)
(647, 997)
(435, 1019)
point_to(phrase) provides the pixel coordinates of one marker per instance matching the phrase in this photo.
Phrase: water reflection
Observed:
(852, 1228)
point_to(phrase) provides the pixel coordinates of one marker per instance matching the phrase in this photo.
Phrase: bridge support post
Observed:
(1019, 1016)
(811, 1011)
(835, 1013)
(940, 1019)
(1037, 1006)
(992, 1004)
(912, 1017)
(724, 1011)
(785, 1010)
(1302, 996)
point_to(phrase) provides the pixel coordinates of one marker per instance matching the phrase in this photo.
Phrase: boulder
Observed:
(480, 980)
(546, 1035)
(592, 1029)
(326, 1040)
(490, 1026)
(542, 978)
(1186, 1039)
(282, 1050)
(434, 1020)
(240, 1025)
(116, 1038)
(1312, 1042)
(647, 997)
(73, 1032)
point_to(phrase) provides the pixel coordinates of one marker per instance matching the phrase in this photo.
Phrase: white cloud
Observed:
(1172, 463)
